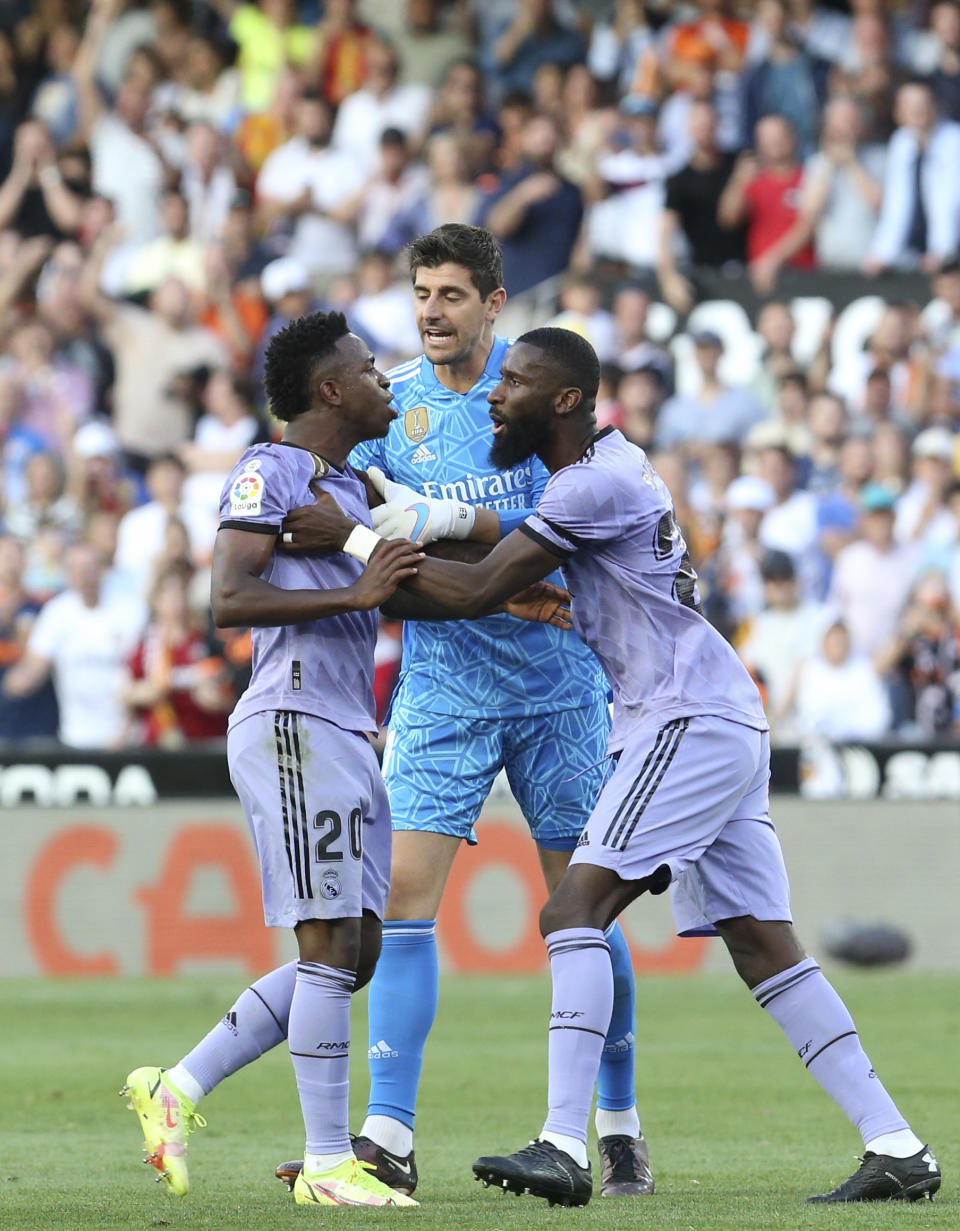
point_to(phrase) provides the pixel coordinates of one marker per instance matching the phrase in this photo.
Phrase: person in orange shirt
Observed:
(715, 38)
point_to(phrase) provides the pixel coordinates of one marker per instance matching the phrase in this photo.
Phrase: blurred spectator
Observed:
(339, 55)
(639, 396)
(208, 91)
(842, 188)
(690, 232)
(534, 212)
(872, 577)
(788, 81)
(785, 633)
(21, 718)
(259, 133)
(302, 190)
(83, 640)
(715, 37)
(790, 525)
(426, 45)
(391, 209)
(920, 213)
(128, 168)
(941, 317)
(54, 397)
(142, 531)
(532, 38)
(923, 517)
(635, 348)
(208, 183)
(827, 421)
(925, 659)
(174, 253)
(944, 81)
(176, 685)
(622, 46)
(628, 190)
(763, 192)
(37, 198)
(582, 310)
(268, 37)
(451, 193)
(867, 69)
(716, 413)
(839, 695)
(153, 348)
(382, 313)
(381, 103)
(887, 349)
(458, 111)
(45, 502)
(735, 592)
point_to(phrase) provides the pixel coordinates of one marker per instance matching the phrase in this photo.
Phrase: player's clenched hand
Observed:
(390, 564)
(542, 603)
(316, 529)
(407, 514)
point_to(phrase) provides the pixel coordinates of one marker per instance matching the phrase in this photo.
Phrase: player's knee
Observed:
(760, 948)
(330, 942)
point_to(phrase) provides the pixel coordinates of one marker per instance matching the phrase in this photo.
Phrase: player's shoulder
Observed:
(272, 458)
(406, 379)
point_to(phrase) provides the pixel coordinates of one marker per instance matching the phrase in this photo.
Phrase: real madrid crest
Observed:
(416, 423)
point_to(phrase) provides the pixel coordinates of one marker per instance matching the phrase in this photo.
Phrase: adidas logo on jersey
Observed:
(422, 454)
(382, 1051)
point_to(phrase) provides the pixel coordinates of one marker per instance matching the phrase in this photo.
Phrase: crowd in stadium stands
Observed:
(179, 178)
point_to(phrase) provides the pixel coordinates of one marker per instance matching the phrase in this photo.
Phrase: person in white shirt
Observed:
(302, 189)
(840, 696)
(873, 575)
(919, 225)
(83, 639)
(782, 636)
(923, 517)
(142, 532)
(382, 103)
(791, 524)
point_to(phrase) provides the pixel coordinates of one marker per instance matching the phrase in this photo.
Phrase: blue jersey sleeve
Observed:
(512, 519)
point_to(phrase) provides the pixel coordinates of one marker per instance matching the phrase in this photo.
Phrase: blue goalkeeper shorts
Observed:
(439, 769)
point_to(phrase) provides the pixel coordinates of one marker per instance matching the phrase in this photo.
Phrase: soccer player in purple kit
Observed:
(299, 758)
(687, 803)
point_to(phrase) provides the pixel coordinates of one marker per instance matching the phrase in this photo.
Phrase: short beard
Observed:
(515, 445)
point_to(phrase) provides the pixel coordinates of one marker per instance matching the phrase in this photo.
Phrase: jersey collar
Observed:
(491, 372)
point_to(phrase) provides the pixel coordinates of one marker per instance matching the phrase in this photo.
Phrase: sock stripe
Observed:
(583, 1030)
(575, 946)
(771, 993)
(309, 1055)
(280, 1026)
(846, 1035)
(670, 752)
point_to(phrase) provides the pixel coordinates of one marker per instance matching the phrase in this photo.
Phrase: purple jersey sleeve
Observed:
(578, 507)
(257, 495)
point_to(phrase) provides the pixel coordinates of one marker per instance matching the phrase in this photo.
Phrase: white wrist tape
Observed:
(360, 543)
(464, 516)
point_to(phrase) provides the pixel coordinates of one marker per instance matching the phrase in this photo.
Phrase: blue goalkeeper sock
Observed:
(615, 1083)
(402, 1006)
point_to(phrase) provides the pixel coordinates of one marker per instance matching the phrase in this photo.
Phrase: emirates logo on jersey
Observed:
(416, 423)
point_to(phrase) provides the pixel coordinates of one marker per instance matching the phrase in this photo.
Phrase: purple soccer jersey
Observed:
(610, 519)
(324, 668)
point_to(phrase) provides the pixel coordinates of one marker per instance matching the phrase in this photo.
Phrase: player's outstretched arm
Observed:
(473, 590)
(241, 598)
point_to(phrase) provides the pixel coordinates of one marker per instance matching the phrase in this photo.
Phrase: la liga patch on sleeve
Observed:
(246, 495)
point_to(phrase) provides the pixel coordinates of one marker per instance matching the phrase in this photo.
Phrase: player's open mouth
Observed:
(438, 337)
(498, 425)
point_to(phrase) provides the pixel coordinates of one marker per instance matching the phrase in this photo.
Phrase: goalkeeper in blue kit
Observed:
(474, 698)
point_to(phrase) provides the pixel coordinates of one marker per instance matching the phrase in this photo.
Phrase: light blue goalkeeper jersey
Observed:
(497, 666)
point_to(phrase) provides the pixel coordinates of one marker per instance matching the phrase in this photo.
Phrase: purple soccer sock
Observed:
(819, 1026)
(319, 1038)
(256, 1022)
(579, 1020)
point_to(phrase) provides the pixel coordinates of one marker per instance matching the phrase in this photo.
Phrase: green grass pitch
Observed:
(738, 1133)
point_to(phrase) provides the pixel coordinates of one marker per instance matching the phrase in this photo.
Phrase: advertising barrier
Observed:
(103, 877)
